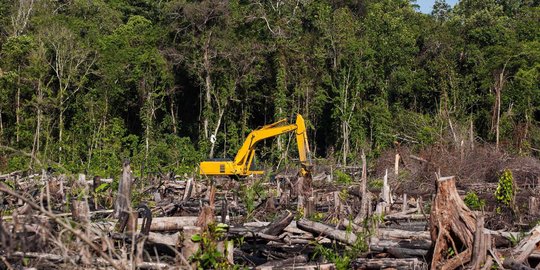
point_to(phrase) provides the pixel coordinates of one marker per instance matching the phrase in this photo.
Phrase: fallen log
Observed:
(402, 248)
(92, 213)
(171, 240)
(291, 228)
(300, 259)
(403, 253)
(403, 234)
(389, 233)
(324, 266)
(406, 243)
(317, 228)
(402, 216)
(159, 224)
(237, 232)
(75, 259)
(279, 224)
(399, 264)
(268, 232)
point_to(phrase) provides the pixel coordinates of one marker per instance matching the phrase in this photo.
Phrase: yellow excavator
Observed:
(243, 166)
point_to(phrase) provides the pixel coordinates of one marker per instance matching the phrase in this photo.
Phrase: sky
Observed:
(427, 5)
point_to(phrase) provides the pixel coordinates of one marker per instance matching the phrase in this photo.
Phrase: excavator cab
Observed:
(244, 162)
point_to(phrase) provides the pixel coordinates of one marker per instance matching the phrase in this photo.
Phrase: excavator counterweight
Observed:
(241, 166)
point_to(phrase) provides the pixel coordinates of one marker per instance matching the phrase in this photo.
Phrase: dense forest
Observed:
(86, 84)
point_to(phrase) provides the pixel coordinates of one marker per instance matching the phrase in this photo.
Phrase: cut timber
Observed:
(399, 264)
(327, 231)
(452, 227)
(404, 243)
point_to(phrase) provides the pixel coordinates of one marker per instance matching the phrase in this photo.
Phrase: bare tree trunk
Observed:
(35, 146)
(306, 108)
(149, 117)
(208, 86)
(471, 135)
(220, 117)
(60, 129)
(347, 110)
(70, 64)
(345, 147)
(94, 142)
(19, 22)
(396, 166)
(173, 113)
(146, 139)
(498, 93)
(1, 127)
(18, 108)
(282, 153)
(498, 87)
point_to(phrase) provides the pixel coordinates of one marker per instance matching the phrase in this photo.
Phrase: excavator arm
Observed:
(241, 165)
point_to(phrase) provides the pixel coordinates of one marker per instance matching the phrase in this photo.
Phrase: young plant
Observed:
(473, 202)
(342, 260)
(209, 256)
(251, 194)
(506, 190)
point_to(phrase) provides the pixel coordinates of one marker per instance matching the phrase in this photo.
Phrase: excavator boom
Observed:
(241, 166)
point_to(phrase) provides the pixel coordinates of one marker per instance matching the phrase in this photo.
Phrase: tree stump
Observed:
(189, 248)
(452, 227)
(123, 197)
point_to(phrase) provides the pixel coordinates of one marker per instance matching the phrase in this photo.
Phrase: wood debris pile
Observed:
(53, 222)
